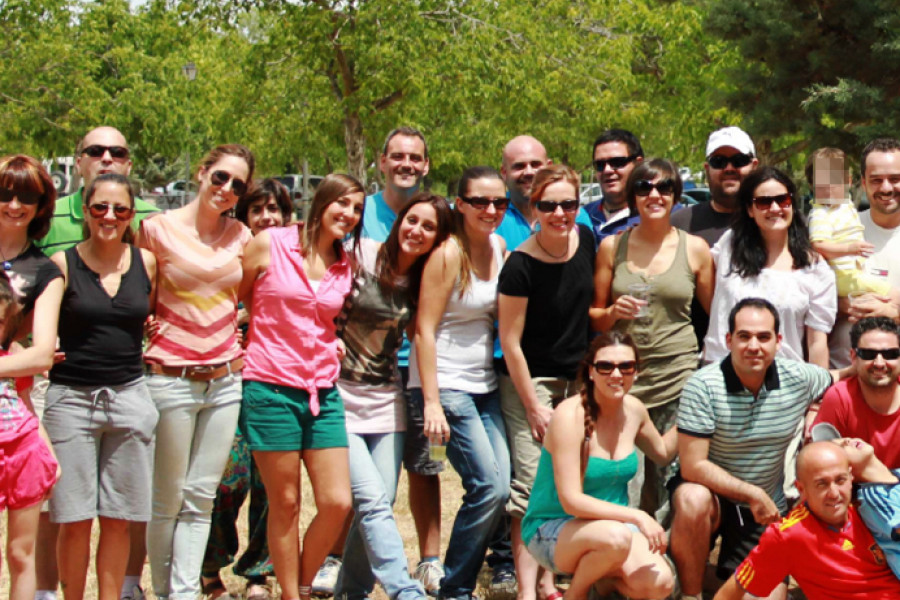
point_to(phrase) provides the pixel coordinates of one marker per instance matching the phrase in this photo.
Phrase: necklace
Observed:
(7, 264)
(537, 238)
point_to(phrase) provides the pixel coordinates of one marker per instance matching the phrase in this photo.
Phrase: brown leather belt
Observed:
(198, 372)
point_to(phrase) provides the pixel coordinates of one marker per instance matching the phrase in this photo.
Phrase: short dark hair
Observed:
(619, 135)
(648, 169)
(760, 303)
(877, 145)
(872, 324)
(263, 189)
(405, 131)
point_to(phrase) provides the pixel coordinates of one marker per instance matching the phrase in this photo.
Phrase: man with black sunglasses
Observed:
(867, 405)
(102, 150)
(616, 153)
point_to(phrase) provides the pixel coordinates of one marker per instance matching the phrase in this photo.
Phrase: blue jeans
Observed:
(374, 547)
(477, 450)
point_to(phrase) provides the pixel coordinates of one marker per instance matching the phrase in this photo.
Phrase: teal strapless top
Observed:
(604, 479)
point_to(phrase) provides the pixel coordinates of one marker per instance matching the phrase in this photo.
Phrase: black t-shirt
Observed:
(30, 273)
(703, 221)
(557, 327)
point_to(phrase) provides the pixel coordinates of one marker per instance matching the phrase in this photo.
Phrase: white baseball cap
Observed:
(733, 137)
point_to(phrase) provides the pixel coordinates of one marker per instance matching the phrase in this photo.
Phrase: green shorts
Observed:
(277, 418)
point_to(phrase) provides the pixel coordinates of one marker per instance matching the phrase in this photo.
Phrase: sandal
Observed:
(215, 590)
(258, 591)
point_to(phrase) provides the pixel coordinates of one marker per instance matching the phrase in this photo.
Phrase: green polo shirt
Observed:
(68, 218)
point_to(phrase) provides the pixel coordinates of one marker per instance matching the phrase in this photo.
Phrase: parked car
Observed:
(590, 192)
(696, 195)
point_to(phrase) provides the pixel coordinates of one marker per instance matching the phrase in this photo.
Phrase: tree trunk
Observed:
(355, 140)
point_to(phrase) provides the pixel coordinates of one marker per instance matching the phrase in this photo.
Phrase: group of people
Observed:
(547, 345)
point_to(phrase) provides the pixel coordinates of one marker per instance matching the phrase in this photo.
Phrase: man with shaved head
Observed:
(822, 543)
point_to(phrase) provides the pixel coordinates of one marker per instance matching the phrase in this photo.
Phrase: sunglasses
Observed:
(615, 163)
(97, 151)
(549, 206)
(238, 186)
(872, 353)
(606, 367)
(121, 212)
(738, 161)
(765, 202)
(643, 187)
(25, 197)
(482, 203)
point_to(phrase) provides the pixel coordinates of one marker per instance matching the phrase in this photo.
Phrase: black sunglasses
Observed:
(872, 353)
(616, 162)
(643, 187)
(765, 202)
(738, 161)
(238, 186)
(481, 203)
(97, 151)
(122, 212)
(549, 206)
(26, 197)
(606, 367)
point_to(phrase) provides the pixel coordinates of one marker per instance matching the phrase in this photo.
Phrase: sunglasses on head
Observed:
(765, 202)
(738, 161)
(616, 162)
(97, 151)
(121, 212)
(482, 203)
(643, 187)
(606, 367)
(238, 186)
(25, 197)
(872, 353)
(549, 206)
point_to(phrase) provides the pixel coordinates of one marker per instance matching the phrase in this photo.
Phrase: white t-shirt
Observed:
(804, 298)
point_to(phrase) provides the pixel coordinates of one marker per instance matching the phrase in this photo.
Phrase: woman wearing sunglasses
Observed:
(451, 370)
(99, 413)
(194, 363)
(578, 520)
(767, 253)
(545, 292)
(673, 267)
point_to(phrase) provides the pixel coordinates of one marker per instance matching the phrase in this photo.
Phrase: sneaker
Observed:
(504, 579)
(429, 573)
(136, 594)
(326, 577)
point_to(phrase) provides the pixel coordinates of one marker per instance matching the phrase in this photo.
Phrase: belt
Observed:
(198, 372)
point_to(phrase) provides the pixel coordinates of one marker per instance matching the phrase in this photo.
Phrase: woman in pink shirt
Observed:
(295, 281)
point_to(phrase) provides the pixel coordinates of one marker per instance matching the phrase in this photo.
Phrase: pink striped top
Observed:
(197, 284)
(292, 339)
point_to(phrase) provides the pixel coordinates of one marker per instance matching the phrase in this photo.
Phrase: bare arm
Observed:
(817, 347)
(39, 357)
(255, 263)
(603, 315)
(704, 271)
(730, 591)
(833, 250)
(150, 266)
(660, 448)
(696, 467)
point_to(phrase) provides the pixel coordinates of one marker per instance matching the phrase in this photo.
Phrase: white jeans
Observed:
(197, 421)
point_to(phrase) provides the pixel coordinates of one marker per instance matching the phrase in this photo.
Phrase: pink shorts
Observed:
(27, 471)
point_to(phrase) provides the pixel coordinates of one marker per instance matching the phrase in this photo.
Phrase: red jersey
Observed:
(843, 406)
(829, 564)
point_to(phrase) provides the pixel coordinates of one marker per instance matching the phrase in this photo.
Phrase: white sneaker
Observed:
(136, 594)
(429, 573)
(326, 577)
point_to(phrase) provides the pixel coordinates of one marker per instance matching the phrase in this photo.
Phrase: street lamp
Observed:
(190, 73)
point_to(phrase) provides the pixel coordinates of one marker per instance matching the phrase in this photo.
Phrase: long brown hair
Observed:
(462, 239)
(20, 172)
(332, 188)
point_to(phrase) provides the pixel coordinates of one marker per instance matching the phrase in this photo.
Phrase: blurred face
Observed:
(830, 180)
(109, 212)
(404, 164)
(754, 342)
(221, 184)
(263, 214)
(724, 182)
(483, 220)
(522, 158)
(102, 152)
(872, 368)
(558, 221)
(612, 179)
(772, 207)
(418, 230)
(881, 180)
(613, 371)
(341, 216)
(825, 484)
(654, 197)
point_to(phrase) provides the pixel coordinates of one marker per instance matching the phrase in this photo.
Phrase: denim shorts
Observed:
(277, 418)
(543, 543)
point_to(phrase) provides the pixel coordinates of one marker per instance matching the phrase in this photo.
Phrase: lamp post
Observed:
(190, 73)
